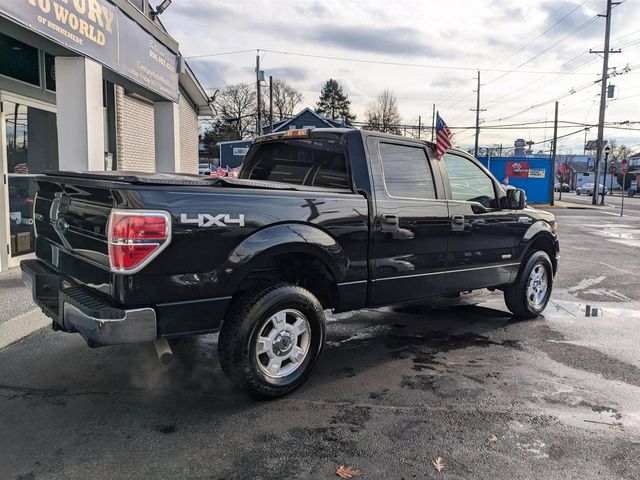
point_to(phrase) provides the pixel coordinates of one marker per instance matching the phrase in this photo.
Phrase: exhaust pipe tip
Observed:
(163, 350)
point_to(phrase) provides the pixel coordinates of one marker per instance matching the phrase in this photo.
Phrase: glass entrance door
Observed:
(30, 146)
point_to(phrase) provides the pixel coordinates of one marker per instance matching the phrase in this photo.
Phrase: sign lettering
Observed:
(101, 31)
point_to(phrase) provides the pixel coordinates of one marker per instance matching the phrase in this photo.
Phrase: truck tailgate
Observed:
(71, 231)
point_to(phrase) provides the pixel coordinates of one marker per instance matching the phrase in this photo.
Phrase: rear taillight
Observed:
(136, 237)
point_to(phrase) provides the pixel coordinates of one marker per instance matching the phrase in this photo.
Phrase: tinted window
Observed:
(468, 181)
(318, 163)
(406, 171)
(18, 60)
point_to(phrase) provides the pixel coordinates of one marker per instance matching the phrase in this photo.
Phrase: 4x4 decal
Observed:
(208, 220)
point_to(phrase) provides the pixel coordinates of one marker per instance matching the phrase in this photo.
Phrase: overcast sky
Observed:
(443, 42)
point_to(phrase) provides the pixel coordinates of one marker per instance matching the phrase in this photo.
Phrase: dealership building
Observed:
(88, 85)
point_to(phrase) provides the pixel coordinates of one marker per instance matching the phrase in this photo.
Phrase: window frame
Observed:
(312, 171)
(475, 162)
(384, 178)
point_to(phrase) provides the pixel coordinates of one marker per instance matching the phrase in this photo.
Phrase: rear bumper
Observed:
(73, 309)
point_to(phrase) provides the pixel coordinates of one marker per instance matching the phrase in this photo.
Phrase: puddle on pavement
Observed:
(564, 308)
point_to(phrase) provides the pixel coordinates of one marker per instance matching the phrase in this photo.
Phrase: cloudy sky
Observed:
(530, 53)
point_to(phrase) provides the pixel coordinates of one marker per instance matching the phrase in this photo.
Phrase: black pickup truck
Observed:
(335, 219)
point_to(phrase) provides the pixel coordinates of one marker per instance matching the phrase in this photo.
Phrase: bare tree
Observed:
(285, 100)
(236, 106)
(383, 115)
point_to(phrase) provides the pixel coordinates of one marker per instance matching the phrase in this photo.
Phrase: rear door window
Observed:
(407, 173)
(318, 163)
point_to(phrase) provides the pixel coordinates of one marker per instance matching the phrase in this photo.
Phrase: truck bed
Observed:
(118, 178)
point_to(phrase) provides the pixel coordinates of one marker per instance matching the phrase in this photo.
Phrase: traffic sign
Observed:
(623, 166)
(612, 169)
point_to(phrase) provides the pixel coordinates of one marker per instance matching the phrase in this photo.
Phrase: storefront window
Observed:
(19, 61)
(50, 72)
(32, 146)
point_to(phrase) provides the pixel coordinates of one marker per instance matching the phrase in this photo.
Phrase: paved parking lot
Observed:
(555, 397)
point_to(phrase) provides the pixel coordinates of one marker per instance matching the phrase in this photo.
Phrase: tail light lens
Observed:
(136, 237)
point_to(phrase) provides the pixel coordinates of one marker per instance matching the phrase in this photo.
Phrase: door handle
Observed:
(389, 222)
(457, 223)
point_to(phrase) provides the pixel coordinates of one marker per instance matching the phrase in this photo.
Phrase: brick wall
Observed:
(188, 137)
(134, 133)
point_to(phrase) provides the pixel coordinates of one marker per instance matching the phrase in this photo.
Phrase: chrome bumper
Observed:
(76, 309)
(136, 326)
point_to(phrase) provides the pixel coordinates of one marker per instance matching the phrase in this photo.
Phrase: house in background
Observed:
(232, 153)
(307, 118)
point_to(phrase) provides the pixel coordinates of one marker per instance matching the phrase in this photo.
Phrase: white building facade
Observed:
(87, 85)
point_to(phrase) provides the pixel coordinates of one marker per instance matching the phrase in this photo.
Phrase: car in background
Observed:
(565, 187)
(587, 189)
(204, 168)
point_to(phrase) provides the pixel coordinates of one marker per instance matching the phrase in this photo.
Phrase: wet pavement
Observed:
(555, 397)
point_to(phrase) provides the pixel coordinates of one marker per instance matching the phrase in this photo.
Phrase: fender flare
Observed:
(539, 227)
(285, 238)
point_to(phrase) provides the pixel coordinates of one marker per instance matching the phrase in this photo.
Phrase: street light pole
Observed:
(596, 186)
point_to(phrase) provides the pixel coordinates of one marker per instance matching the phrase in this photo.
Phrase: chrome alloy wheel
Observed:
(283, 343)
(537, 286)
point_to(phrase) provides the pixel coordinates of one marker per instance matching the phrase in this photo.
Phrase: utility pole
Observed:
(477, 110)
(258, 96)
(553, 160)
(270, 103)
(433, 123)
(603, 96)
(419, 125)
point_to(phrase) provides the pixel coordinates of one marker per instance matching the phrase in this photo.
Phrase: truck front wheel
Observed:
(529, 295)
(272, 339)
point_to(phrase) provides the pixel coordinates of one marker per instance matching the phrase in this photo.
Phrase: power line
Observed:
(543, 33)
(219, 54)
(570, 34)
(398, 64)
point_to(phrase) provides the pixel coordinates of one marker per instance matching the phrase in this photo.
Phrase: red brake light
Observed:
(136, 237)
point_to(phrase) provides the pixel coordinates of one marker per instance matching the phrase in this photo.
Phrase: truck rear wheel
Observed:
(272, 339)
(529, 295)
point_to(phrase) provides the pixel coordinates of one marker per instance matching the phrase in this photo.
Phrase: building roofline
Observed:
(286, 122)
(196, 92)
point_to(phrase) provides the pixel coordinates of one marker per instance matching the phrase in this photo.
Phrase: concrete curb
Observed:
(19, 327)
(572, 206)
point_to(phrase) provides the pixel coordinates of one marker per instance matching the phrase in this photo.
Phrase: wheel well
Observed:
(302, 269)
(544, 243)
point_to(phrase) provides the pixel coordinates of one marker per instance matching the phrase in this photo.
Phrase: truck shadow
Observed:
(358, 342)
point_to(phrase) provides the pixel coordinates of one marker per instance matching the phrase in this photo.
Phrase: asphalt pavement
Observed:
(396, 388)
(611, 201)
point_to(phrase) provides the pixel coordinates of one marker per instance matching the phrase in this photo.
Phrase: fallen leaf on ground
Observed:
(438, 463)
(618, 426)
(492, 438)
(347, 472)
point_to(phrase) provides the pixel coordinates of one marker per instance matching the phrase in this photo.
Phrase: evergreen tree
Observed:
(334, 104)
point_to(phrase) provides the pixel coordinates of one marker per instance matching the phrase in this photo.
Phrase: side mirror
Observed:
(516, 199)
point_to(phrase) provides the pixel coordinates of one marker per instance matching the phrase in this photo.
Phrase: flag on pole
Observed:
(218, 172)
(443, 136)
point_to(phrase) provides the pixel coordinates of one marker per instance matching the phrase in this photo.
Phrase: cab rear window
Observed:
(312, 162)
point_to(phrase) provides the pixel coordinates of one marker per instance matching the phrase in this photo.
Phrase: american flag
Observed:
(443, 136)
(219, 172)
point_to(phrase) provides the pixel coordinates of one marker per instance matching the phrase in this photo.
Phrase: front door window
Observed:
(31, 147)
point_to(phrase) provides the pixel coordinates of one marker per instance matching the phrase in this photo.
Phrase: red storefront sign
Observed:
(518, 169)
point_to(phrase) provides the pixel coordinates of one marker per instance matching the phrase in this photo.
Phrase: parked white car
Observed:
(587, 189)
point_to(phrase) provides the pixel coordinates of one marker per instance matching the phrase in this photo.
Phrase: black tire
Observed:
(577, 192)
(238, 339)
(516, 297)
